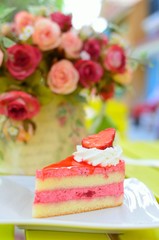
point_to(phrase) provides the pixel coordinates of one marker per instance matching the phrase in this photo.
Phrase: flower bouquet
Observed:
(45, 62)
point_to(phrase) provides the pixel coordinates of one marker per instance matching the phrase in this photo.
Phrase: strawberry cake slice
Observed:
(92, 178)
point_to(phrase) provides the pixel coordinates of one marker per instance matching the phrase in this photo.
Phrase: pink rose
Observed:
(64, 21)
(1, 57)
(18, 105)
(46, 34)
(90, 72)
(23, 19)
(92, 46)
(22, 60)
(71, 44)
(115, 59)
(63, 77)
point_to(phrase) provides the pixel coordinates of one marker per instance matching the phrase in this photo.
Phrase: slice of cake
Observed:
(92, 178)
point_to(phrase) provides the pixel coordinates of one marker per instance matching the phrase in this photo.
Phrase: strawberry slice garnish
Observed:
(100, 140)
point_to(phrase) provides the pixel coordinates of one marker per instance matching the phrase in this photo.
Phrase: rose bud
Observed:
(64, 21)
(92, 46)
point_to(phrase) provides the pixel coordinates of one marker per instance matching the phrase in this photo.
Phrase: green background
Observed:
(23, 4)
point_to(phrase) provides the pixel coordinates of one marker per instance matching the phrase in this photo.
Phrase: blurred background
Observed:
(136, 112)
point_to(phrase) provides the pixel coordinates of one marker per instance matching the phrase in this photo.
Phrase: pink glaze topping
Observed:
(70, 167)
(60, 195)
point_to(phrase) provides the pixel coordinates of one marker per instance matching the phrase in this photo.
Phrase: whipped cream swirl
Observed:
(94, 156)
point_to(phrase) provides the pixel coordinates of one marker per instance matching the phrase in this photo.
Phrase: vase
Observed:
(60, 127)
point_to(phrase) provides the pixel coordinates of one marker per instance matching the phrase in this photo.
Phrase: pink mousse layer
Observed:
(60, 195)
(69, 167)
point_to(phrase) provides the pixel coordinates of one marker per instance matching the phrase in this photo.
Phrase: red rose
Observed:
(107, 91)
(89, 71)
(115, 59)
(92, 46)
(18, 105)
(64, 21)
(22, 60)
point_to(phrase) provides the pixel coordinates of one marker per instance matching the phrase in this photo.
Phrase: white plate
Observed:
(139, 211)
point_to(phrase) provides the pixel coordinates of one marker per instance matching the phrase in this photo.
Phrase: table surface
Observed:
(148, 175)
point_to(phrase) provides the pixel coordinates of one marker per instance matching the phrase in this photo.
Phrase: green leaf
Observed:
(35, 85)
(100, 123)
(5, 12)
(35, 79)
(7, 42)
(58, 3)
(44, 94)
(80, 98)
(144, 55)
(4, 83)
(37, 10)
(115, 28)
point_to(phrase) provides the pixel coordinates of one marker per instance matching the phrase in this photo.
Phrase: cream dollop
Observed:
(94, 156)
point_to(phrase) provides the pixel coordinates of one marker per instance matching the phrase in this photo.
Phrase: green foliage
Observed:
(7, 42)
(141, 61)
(34, 80)
(101, 122)
(36, 10)
(56, 4)
(4, 84)
(79, 98)
(115, 28)
(34, 85)
(44, 94)
(7, 9)
(144, 59)
(5, 12)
